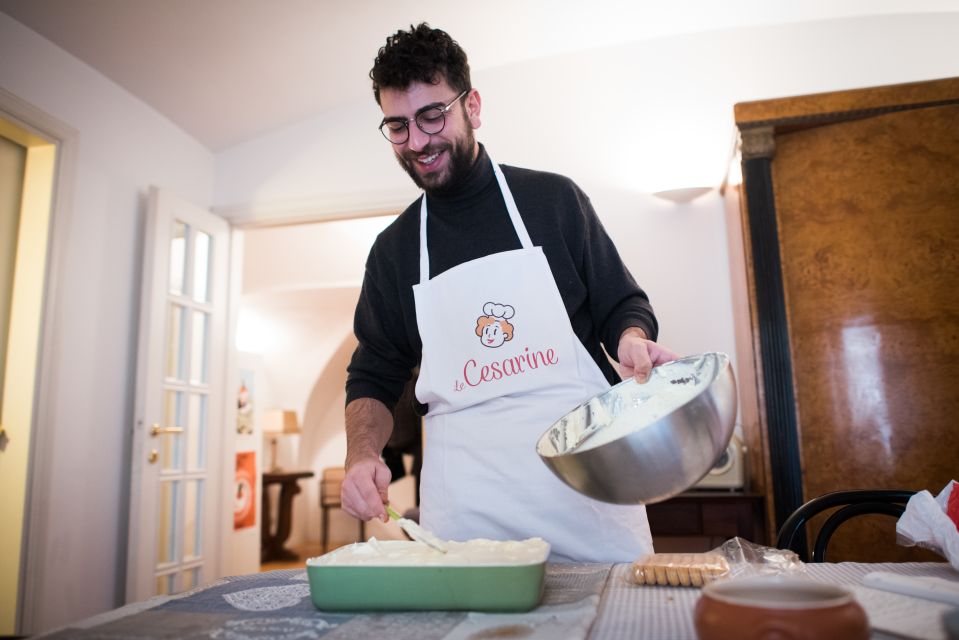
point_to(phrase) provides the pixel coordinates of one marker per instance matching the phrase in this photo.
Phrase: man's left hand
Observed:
(637, 355)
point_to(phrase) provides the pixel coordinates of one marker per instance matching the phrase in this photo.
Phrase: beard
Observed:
(445, 182)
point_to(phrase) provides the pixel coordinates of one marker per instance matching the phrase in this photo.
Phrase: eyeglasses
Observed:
(430, 120)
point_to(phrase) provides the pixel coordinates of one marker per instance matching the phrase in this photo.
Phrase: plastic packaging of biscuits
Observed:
(735, 557)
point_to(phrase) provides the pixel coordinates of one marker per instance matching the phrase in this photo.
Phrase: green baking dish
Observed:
(426, 582)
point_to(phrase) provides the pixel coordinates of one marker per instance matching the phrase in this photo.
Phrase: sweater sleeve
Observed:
(383, 360)
(616, 301)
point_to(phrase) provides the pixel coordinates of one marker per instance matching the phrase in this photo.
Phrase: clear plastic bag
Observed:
(748, 558)
(734, 558)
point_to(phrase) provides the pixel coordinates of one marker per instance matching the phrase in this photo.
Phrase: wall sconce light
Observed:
(683, 196)
(277, 422)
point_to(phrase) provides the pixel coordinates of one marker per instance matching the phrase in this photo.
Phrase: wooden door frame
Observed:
(39, 471)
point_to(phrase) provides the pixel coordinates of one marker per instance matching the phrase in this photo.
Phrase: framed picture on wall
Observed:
(244, 497)
(244, 402)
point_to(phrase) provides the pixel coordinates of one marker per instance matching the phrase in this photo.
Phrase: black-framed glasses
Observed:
(430, 120)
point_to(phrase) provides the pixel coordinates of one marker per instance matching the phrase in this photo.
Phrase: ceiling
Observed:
(226, 71)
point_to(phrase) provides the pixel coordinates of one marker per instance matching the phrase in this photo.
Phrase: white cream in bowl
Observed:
(614, 416)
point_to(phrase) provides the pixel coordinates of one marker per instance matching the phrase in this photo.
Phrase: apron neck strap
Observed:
(514, 217)
(424, 252)
(511, 208)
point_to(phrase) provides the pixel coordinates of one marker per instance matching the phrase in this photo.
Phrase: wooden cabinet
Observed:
(851, 242)
(703, 520)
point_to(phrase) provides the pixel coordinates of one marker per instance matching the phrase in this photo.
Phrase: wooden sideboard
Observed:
(702, 520)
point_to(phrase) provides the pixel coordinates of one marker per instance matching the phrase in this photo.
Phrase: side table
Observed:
(271, 544)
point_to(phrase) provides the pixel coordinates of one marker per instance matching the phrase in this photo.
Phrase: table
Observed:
(593, 601)
(271, 543)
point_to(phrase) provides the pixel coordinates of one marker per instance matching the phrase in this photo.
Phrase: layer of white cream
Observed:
(478, 552)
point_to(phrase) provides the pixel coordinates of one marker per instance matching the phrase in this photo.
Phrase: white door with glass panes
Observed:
(177, 471)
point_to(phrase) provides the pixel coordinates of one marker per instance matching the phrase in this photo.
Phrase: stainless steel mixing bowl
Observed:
(644, 443)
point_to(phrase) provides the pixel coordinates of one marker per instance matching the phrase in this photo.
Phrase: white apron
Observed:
(491, 396)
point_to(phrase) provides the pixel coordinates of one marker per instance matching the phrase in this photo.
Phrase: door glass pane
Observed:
(178, 257)
(176, 346)
(196, 433)
(166, 523)
(201, 267)
(198, 348)
(165, 584)
(170, 444)
(190, 578)
(193, 507)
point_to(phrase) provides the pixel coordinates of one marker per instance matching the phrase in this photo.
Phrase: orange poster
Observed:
(244, 499)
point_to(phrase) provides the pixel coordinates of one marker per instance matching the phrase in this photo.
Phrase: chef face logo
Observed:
(493, 327)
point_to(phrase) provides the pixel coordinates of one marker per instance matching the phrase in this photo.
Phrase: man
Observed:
(502, 285)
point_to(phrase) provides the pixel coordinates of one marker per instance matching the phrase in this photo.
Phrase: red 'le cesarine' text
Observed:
(476, 374)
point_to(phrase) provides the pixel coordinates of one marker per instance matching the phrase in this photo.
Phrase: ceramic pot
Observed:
(778, 608)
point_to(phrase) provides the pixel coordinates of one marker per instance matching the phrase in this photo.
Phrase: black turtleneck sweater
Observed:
(600, 295)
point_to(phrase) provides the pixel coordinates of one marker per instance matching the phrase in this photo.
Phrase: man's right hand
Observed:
(364, 490)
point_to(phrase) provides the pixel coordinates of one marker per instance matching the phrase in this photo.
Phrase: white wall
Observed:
(124, 146)
(658, 114)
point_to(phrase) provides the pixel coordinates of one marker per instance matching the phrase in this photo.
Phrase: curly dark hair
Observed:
(422, 54)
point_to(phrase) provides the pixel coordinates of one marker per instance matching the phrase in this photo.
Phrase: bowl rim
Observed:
(770, 586)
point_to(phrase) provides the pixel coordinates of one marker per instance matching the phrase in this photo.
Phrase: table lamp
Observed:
(277, 422)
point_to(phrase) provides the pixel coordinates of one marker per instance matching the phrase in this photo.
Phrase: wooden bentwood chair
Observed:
(850, 503)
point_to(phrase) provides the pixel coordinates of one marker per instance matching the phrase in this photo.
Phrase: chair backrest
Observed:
(850, 503)
(330, 482)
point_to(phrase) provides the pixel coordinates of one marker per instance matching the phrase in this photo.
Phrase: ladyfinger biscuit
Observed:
(679, 569)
